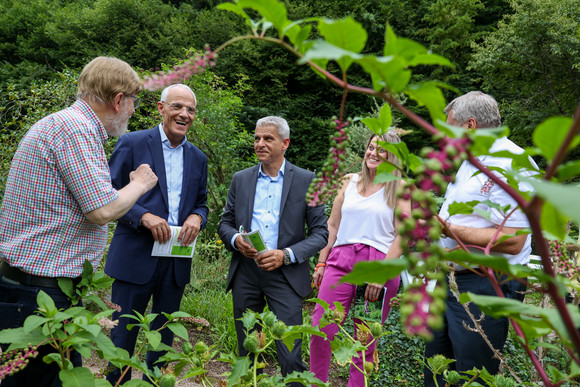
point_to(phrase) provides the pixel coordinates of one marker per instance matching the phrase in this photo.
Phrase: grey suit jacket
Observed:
(295, 214)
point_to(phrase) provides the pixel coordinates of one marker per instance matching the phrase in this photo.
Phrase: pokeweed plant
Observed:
(548, 207)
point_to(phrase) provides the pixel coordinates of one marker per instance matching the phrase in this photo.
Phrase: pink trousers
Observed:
(340, 261)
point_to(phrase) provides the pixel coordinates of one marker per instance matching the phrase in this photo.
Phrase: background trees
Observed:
(524, 52)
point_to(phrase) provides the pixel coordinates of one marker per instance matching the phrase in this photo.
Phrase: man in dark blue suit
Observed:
(271, 197)
(179, 199)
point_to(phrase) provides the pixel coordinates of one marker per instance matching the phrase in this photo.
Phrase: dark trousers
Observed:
(468, 348)
(252, 288)
(17, 302)
(166, 298)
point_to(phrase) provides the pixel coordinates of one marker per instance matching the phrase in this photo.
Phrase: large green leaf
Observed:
(154, 338)
(19, 338)
(345, 33)
(178, 330)
(272, 11)
(569, 170)
(77, 377)
(527, 315)
(240, 368)
(553, 221)
(550, 134)
(321, 49)
(563, 197)
(430, 95)
(387, 72)
(46, 304)
(375, 271)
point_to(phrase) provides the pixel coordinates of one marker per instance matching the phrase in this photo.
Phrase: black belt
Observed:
(15, 274)
(469, 271)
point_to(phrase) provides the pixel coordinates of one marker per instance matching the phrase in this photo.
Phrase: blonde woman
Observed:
(362, 227)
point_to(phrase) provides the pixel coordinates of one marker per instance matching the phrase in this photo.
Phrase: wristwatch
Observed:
(287, 259)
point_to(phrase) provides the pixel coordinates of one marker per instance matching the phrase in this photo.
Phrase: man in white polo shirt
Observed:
(476, 110)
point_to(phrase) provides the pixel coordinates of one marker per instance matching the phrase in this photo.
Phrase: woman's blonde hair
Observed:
(104, 77)
(390, 192)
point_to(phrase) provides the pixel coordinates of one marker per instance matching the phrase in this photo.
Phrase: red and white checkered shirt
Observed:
(58, 174)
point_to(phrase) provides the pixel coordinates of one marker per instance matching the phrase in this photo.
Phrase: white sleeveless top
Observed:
(367, 220)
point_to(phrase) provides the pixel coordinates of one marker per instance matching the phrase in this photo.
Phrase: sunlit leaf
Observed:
(347, 34)
(550, 134)
(323, 50)
(569, 170)
(560, 196)
(385, 118)
(271, 10)
(429, 95)
(553, 221)
(375, 271)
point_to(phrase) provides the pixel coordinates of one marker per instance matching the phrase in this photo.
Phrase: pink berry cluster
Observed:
(434, 174)
(195, 64)
(564, 264)
(16, 360)
(325, 186)
(194, 320)
(420, 309)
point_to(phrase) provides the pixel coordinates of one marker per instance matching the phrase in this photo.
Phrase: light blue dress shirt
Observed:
(266, 213)
(173, 158)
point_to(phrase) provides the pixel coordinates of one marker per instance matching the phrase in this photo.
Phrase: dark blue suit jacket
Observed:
(129, 258)
(295, 215)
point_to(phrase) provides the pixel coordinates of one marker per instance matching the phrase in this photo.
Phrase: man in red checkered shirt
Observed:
(59, 199)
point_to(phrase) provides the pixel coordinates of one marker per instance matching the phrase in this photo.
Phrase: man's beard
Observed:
(117, 125)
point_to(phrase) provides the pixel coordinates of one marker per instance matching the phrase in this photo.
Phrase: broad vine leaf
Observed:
(344, 350)
(560, 196)
(240, 368)
(550, 134)
(345, 33)
(375, 271)
(249, 319)
(304, 377)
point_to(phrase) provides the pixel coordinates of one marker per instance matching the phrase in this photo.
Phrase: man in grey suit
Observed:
(271, 197)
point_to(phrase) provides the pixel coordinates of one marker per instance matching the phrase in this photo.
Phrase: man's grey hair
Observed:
(477, 105)
(166, 91)
(280, 123)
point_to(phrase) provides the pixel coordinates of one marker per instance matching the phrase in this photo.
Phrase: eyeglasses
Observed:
(177, 107)
(137, 101)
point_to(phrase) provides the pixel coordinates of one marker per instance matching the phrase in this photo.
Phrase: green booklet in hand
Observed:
(255, 239)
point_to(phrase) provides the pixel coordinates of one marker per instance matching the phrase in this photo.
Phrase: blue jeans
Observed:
(17, 302)
(468, 348)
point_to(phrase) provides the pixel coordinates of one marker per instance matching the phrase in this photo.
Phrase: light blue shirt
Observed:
(266, 213)
(173, 158)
